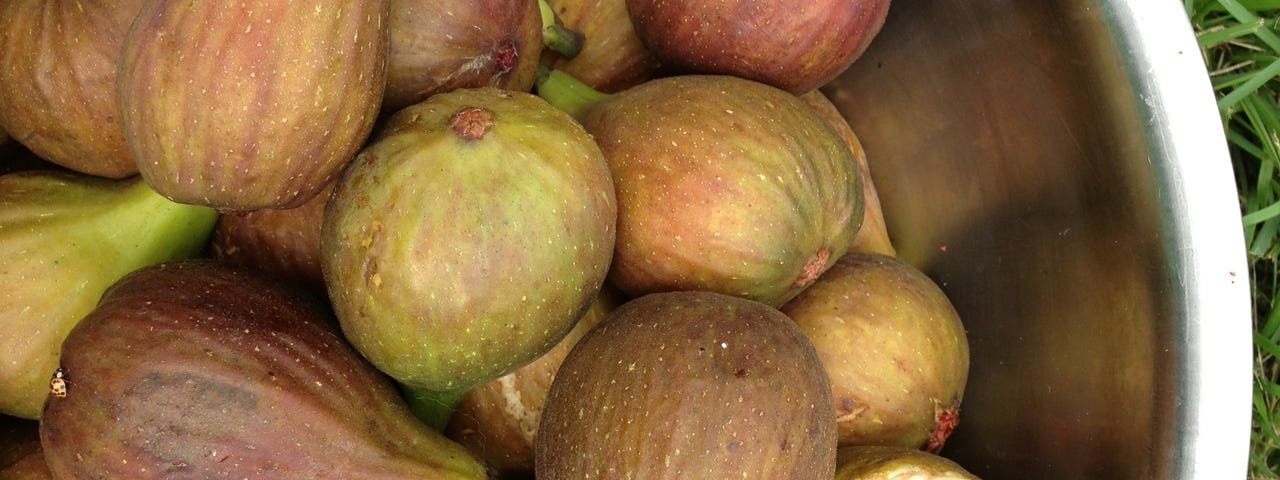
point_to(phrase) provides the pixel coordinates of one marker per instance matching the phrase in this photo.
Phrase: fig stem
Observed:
(565, 92)
(557, 37)
(432, 407)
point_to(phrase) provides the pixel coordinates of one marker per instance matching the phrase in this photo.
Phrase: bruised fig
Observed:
(873, 235)
(689, 385)
(64, 238)
(252, 104)
(438, 46)
(194, 369)
(466, 240)
(795, 46)
(57, 71)
(284, 243)
(723, 184)
(612, 58)
(894, 348)
(497, 421)
(876, 462)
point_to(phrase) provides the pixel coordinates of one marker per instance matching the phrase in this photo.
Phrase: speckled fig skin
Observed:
(689, 385)
(893, 346)
(197, 370)
(251, 104)
(875, 462)
(281, 242)
(468, 238)
(726, 185)
(437, 46)
(57, 71)
(612, 58)
(795, 46)
(497, 421)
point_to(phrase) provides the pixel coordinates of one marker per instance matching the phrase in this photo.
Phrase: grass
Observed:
(1241, 49)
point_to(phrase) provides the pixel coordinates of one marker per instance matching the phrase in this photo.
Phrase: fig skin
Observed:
(57, 71)
(202, 370)
(21, 457)
(723, 184)
(873, 234)
(283, 243)
(467, 239)
(893, 346)
(612, 57)
(795, 46)
(64, 238)
(251, 105)
(689, 385)
(438, 46)
(497, 421)
(874, 462)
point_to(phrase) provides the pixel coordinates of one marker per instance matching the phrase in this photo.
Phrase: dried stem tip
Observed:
(471, 123)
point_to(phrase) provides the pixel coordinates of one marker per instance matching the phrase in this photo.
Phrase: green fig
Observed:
(723, 184)
(876, 462)
(689, 384)
(466, 240)
(252, 104)
(195, 369)
(894, 348)
(64, 238)
(57, 81)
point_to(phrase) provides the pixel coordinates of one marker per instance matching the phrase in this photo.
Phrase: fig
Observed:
(893, 346)
(254, 104)
(195, 369)
(873, 236)
(876, 462)
(438, 46)
(723, 184)
(795, 46)
(556, 37)
(466, 240)
(611, 58)
(21, 457)
(689, 384)
(283, 243)
(58, 71)
(497, 420)
(64, 238)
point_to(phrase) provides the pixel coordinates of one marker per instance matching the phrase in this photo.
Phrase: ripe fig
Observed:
(195, 369)
(689, 385)
(497, 421)
(723, 184)
(57, 71)
(876, 462)
(438, 46)
(64, 238)
(284, 243)
(21, 457)
(252, 104)
(612, 58)
(466, 240)
(894, 347)
(795, 46)
(873, 236)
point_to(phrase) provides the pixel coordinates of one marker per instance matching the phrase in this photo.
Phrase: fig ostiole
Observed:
(466, 240)
(64, 238)
(723, 184)
(201, 370)
(689, 384)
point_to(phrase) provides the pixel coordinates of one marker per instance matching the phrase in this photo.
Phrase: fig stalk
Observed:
(566, 93)
(557, 37)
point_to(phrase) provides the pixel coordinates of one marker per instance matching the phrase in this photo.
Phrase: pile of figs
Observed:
(462, 239)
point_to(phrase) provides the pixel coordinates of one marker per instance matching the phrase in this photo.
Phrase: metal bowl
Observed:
(1060, 169)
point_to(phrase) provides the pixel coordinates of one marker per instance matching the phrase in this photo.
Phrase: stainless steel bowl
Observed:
(1060, 169)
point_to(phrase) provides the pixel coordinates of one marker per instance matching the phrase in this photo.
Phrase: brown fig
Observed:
(438, 46)
(284, 243)
(795, 46)
(199, 370)
(497, 421)
(689, 385)
(57, 74)
(21, 457)
(248, 105)
(875, 462)
(612, 57)
(893, 346)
